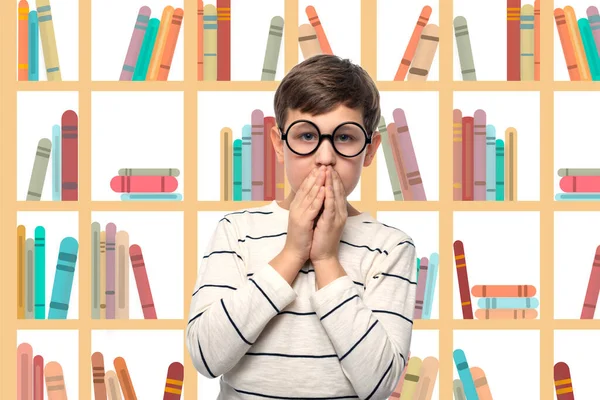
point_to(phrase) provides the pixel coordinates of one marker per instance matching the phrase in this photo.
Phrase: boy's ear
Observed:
(277, 143)
(371, 150)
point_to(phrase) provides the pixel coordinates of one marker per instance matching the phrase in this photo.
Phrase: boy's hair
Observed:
(321, 83)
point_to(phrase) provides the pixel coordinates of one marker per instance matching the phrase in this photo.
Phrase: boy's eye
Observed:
(307, 135)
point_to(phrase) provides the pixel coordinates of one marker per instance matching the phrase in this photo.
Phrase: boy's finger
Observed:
(308, 182)
(338, 190)
(330, 195)
(313, 191)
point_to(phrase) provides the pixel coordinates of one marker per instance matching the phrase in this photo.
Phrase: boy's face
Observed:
(349, 169)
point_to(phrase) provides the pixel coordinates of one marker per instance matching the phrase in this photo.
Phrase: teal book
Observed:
(247, 163)
(237, 170)
(499, 170)
(39, 243)
(581, 196)
(143, 61)
(33, 49)
(63, 279)
(589, 46)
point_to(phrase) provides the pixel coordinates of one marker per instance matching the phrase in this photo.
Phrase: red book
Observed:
(467, 158)
(269, 156)
(223, 40)
(69, 156)
(143, 184)
(38, 378)
(513, 40)
(141, 279)
(463, 279)
(574, 184)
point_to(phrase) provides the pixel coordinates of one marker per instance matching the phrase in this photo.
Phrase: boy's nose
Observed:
(325, 153)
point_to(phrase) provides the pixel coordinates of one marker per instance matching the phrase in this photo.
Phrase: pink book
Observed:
(258, 150)
(141, 279)
(593, 288)
(576, 184)
(111, 239)
(421, 288)
(138, 184)
(398, 162)
(409, 158)
(135, 43)
(479, 167)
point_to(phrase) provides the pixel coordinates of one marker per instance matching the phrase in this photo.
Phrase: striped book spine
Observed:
(457, 155)
(69, 156)
(499, 170)
(223, 40)
(237, 170)
(258, 157)
(56, 163)
(467, 160)
(479, 153)
(246, 163)
(513, 40)
(490, 163)
(270, 160)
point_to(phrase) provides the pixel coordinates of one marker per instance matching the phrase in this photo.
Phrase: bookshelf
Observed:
(445, 207)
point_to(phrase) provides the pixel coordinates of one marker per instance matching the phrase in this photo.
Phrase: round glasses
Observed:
(348, 139)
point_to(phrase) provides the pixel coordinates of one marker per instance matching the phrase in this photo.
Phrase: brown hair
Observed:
(321, 83)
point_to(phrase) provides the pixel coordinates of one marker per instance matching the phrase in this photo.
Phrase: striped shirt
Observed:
(267, 339)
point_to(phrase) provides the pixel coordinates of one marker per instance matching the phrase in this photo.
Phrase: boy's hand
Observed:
(330, 225)
(303, 210)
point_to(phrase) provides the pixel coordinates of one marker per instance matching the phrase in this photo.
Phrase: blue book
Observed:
(247, 163)
(490, 163)
(63, 279)
(33, 51)
(583, 196)
(56, 163)
(434, 261)
(151, 196)
(464, 373)
(508, 302)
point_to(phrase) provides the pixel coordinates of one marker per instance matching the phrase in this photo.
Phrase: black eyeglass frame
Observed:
(329, 136)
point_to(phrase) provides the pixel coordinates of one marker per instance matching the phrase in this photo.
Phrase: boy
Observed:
(309, 297)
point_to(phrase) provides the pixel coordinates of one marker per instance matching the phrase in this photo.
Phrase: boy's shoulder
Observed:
(385, 235)
(248, 215)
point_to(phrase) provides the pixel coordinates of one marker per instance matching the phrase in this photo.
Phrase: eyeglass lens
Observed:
(348, 138)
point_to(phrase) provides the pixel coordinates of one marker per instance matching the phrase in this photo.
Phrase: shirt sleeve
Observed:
(228, 309)
(372, 335)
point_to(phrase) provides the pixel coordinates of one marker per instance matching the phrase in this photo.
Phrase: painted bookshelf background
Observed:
(525, 239)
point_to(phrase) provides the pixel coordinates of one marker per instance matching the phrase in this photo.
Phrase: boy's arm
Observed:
(228, 309)
(372, 335)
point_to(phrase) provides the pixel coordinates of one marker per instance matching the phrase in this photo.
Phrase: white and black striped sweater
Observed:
(267, 339)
